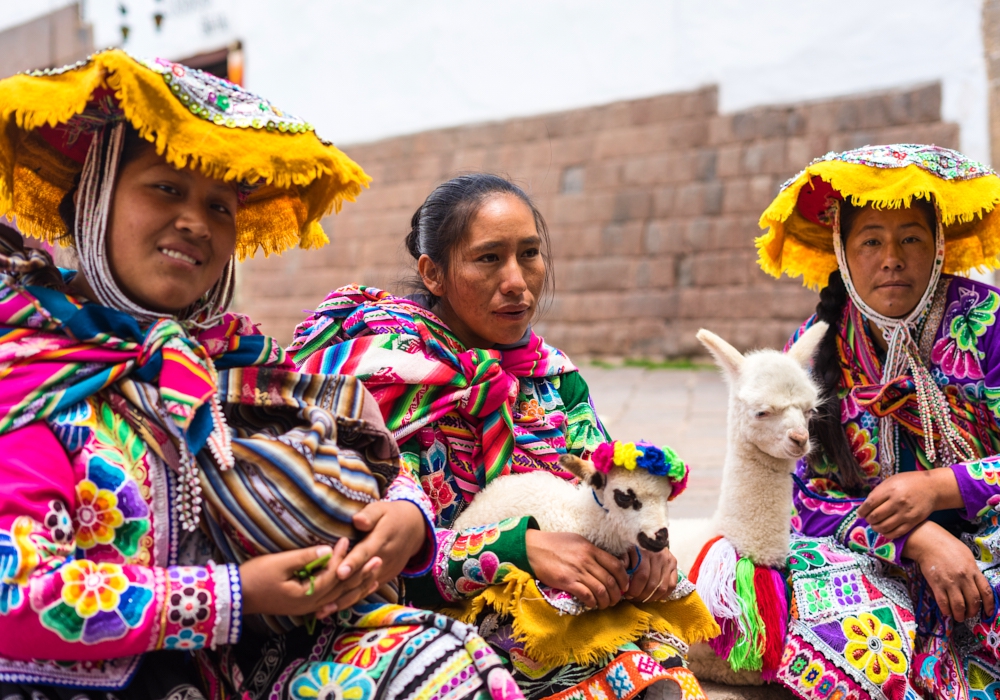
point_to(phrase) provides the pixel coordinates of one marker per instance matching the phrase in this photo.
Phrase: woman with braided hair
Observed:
(896, 526)
(177, 500)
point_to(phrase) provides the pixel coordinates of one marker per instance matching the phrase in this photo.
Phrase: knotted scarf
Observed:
(419, 372)
(897, 398)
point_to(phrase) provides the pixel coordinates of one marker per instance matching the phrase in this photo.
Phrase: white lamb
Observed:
(771, 399)
(616, 511)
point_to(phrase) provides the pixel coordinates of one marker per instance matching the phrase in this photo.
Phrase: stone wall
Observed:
(652, 206)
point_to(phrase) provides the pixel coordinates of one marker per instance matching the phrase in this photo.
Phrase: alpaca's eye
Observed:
(624, 500)
(762, 414)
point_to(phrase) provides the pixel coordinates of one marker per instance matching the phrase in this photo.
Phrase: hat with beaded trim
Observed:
(800, 220)
(49, 118)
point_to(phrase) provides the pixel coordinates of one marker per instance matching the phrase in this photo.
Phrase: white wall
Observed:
(365, 70)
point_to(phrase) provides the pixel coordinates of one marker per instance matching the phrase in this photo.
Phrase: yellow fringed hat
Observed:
(799, 238)
(48, 118)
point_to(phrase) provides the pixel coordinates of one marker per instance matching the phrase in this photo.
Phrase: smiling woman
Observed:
(472, 393)
(169, 484)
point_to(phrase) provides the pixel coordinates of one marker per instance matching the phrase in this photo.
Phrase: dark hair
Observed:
(443, 219)
(826, 424)
(133, 146)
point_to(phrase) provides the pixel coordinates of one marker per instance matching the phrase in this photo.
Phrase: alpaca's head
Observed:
(635, 501)
(772, 396)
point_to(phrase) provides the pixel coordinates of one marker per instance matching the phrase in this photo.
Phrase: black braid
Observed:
(826, 366)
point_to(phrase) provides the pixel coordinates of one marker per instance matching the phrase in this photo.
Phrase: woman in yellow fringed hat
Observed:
(893, 564)
(170, 483)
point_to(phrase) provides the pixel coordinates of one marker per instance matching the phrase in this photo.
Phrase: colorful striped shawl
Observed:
(56, 350)
(418, 371)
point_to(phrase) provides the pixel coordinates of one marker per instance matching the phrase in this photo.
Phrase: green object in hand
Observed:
(309, 572)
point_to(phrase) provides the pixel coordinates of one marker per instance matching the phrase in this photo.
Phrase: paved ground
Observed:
(685, 409)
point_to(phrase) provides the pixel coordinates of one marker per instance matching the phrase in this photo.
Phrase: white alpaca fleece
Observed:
(627, 504)
(771, 398)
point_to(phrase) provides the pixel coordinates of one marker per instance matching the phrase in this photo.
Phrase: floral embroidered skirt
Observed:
(374, 651)
(861, 628)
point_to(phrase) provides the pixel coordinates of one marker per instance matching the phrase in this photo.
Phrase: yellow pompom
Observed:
(626, 454)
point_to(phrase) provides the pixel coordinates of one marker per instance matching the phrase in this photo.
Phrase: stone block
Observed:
(764, 157)
(665, 236)
(622, 238)
(664, 200)
(631, 205)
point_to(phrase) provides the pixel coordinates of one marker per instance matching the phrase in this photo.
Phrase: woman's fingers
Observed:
(641, 579)
(325, 579)
(985, 593)
(612, 565)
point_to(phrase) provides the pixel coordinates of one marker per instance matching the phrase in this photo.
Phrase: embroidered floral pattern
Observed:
(957, 353)
(365, 648)
(805, 554)
(438, 489)
(864, 539)
(987, 470)
(89, 602)
(331, 680)
(864, 449)
(874, 647)
(97, 515)
(479, 573)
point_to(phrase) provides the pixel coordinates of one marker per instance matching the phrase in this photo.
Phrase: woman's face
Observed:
(890, 254)
(490, 292)
(170, 232)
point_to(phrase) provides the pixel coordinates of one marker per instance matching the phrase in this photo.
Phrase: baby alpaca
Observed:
(771, 399)
(615, 511)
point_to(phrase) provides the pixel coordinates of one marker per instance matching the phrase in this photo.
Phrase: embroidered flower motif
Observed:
(864, 539)
(91, 588)
(805, 554)
(846, 590)
(97, 515)
(479, 573)
(873, 647)
(987, 470)
(90, 602)
(364, 648)
(958, 353)
(331, 681)
(189, 606)
(18, 559)
(438, 489)
(863, 448)
(186, 639)
(816, 595)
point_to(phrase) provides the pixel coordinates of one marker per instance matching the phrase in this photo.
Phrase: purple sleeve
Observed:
(405, 487)
(822, 511)
(979, 484)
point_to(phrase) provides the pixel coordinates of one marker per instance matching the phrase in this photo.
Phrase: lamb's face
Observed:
(773, 401)
(636, 502)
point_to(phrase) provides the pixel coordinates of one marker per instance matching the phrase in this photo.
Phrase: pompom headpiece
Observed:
(643, 455)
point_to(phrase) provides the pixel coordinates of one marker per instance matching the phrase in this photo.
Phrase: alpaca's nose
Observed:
(799, 437)
(655, 544)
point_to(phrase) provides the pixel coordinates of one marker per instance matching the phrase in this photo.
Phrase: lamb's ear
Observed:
(805, 347)
(583, 470)
(726, 356)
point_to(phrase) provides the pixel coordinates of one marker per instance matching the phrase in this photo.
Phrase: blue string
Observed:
(598, 501)
(638, 554)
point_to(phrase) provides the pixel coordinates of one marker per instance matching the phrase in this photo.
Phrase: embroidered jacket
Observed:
(962, 348)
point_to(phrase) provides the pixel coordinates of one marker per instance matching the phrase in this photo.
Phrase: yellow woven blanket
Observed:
(554, 638)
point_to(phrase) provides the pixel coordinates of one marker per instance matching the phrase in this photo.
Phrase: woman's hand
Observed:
(655, 578)
(905, 500)
(570, 563)
(396, 532)
(270, 586)
(958, 585)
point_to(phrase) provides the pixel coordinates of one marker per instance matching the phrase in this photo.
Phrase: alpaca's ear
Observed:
(805, 347)
(726, 356)
(582, 469)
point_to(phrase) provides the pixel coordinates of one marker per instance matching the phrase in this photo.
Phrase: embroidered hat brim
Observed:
(47, 119)
(798, 243)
